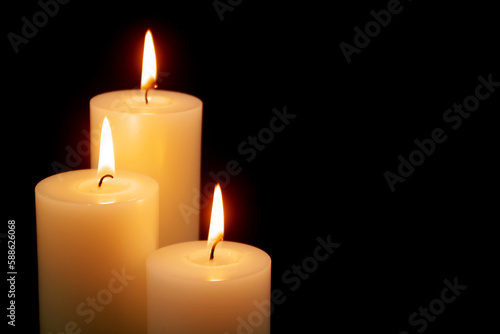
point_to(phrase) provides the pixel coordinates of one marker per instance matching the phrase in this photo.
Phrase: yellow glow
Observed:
(148, 78)
(216, 230)
(106, 151)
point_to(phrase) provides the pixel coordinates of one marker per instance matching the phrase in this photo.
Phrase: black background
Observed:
(322, 175)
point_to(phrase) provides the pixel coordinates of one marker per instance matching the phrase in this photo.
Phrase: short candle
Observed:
(189, 293)
(92, 244)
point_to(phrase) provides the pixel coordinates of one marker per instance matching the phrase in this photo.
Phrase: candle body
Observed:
(187, 293)
(92, 246)
(163, 140)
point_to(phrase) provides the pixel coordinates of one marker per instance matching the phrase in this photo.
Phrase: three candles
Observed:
(97, 229)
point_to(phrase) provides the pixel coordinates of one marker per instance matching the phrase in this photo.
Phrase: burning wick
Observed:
(219, 239)
(146, 95)
(102, 179)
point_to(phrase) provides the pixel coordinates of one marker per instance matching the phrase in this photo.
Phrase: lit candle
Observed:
(209, 287)
(160, 138)
(95, 229)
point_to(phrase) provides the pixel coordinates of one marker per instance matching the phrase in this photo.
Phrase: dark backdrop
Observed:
(322, 176)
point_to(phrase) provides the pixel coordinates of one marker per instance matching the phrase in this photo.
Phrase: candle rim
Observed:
(246, 269)
(184, 102)
(55, 188)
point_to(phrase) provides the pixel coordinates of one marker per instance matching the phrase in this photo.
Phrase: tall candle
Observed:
(162, 139)
(190, 293)
(92, 244)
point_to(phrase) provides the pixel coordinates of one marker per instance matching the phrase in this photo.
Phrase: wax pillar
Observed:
(188, 293)
(161, 139)
(92, 247)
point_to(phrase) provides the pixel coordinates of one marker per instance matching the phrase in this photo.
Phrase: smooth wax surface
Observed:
(188, 293)
(161, 139)
(92, 248)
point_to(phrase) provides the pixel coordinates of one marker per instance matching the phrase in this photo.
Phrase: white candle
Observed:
(189, 293)
(92, 247)
(161, 139)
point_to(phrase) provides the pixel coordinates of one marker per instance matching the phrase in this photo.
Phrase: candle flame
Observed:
(106, 150)
(216, 231)
(148, 78)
